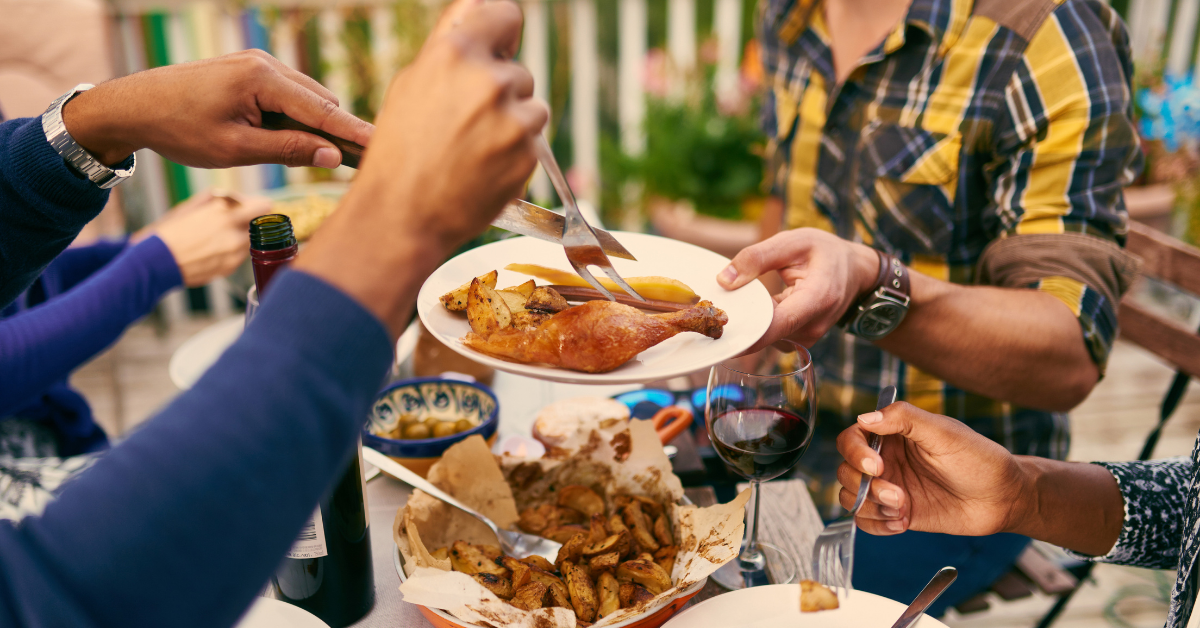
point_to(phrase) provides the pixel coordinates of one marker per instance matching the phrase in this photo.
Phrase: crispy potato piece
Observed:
(662, 530)
(660, 288)
(470, 560)
(640, 526)
(525, 473)
(630, 594)
(582, 592)
(538, 520)
(514, 300)
(486, 311)
(539, 562)
(571, 550)
(529, 320)
(646, 573)
(815, 596)
(562, 534)
(546, 299)
(645, 557)
(652, 508)
(524, 289)
(581, 499)
(456, 299)
(616, 525)
(665, 557)
(558, 595)
(520, 571)
(491, 551)
(608, 590)
(502, 587)
(604, 562)
(530, 596)
(618, 543)
(597, 530)
(441, 553)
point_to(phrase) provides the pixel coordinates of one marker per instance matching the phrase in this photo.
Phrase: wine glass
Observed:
(760, 412)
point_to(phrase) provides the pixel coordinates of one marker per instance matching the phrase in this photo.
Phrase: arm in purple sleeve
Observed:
(43, 344)
(77, 263)
(183, 523)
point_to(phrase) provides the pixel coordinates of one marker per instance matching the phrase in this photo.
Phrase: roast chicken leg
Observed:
(597, 336)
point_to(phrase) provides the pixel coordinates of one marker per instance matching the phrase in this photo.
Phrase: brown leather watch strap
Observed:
(893, 278)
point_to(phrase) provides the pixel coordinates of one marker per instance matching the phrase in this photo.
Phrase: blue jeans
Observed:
(897, 567)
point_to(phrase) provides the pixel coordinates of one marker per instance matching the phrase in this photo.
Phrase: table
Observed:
(788, 518)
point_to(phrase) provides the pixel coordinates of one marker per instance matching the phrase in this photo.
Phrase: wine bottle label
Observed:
(311, 541)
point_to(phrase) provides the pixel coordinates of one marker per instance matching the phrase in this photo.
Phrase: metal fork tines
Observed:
(579, 241)
(833, 551)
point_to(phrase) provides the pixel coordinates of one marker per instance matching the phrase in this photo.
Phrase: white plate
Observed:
(269, 613)
(778, 606)
(749, 307)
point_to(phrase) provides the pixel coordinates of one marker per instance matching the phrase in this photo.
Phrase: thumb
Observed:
(287, 147)
(774, 253)
(933, 432)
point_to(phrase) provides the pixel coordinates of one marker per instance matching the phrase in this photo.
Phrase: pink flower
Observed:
(655, 73)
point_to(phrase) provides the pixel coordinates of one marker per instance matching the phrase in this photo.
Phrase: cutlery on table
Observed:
(536, 222)
(833, 552)
(515, 544)
(940, 582)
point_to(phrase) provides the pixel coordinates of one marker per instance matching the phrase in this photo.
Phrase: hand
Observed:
(935, 475)
(208, 114)
(207, 234)
(824, 275)
(454, 144)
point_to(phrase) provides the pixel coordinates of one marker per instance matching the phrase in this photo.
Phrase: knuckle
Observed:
(292, 152)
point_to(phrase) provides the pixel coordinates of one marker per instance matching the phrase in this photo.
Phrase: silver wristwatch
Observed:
(74, 154)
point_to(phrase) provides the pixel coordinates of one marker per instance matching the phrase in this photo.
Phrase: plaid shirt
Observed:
(972, 122)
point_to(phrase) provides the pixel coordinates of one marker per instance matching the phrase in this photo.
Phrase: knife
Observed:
(941, 580)
(518, 216)
(530, 220)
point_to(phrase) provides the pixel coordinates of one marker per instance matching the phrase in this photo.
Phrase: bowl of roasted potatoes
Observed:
(633, 549)
(413, 421)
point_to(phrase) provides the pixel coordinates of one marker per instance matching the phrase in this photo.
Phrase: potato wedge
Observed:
(470, 560)
(630, 594)
(815, 596)
(616, 524)
(491, 551)
(486, 311)
(571, 550)
(646, 573)
(640, 526)
(582, 499)
(608, 590)
(558, 595)
(597, 529)
(441, 553)
(530, 597)
(539, 562)
(502, 587)
(582, 592)
(604, 562)
(520, 571)
(665, 557)
(618, 543)
(514, 300)
(529, 320)
(524, 289)
(662, 530)
(660, 288)
(545, 299)
(456, 299)
(562, 534)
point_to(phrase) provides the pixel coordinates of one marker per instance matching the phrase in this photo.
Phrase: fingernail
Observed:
(888, 512)
(327, 158)
(871, 418)
(895, 525)
(868, 465)
(729, 275)
(890, 497)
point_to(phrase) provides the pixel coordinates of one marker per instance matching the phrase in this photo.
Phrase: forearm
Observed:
(1021, 346)
(1070, 504)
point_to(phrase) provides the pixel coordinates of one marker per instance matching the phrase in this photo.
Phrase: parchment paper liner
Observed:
(707, 537)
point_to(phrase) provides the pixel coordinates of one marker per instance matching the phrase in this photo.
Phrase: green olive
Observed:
(463, 425)
(432, 423)
(416, 430)
(405, 419)
(444, 428)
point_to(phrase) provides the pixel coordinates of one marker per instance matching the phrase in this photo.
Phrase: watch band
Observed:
(884, 306)
(74, 154)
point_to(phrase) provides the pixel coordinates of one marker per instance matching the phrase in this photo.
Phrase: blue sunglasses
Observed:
(645, 403)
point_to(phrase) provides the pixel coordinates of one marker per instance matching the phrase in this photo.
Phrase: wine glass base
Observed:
(780, 569)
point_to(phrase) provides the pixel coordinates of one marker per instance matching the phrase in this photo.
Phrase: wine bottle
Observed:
(328, 570)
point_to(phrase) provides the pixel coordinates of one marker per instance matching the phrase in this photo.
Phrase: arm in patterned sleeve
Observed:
(1155, 510)
(1068, 150)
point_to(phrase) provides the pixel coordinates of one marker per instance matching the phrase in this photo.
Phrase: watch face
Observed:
(879, 319)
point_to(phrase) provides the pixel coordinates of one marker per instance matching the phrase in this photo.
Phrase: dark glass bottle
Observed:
(328, 570)
(272, 246)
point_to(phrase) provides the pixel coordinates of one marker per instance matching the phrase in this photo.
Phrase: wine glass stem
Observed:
(751, 557)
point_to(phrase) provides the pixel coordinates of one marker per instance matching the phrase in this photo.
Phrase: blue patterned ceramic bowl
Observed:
(432, 397)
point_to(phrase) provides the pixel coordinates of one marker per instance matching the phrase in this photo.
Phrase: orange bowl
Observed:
(651, 618)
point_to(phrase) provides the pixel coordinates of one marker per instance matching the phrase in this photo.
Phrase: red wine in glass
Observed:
(760, 443)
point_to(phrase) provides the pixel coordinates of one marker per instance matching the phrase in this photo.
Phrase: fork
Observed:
(515, 544)
(579, 241)
(833, 552)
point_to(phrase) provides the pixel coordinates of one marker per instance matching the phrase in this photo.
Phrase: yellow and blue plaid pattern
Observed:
(958, 130)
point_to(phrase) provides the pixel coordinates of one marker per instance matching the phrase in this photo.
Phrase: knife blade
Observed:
(536, 222)
(941, 580)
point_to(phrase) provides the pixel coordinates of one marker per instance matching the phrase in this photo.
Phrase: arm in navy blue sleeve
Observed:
(79, 262)
(182, 523)
(43, 204)
(43, 344)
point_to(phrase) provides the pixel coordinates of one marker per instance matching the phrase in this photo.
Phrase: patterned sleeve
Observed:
(1065, 153)
(1155, 500)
